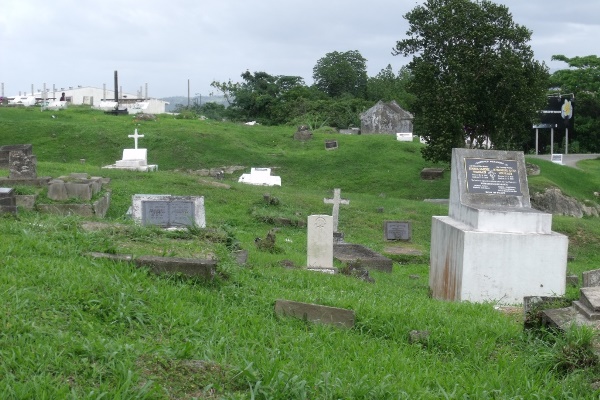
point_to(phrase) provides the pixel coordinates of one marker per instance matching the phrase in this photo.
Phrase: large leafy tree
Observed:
(341, 73)
(473, 76)
(582, 78)
(388, 86)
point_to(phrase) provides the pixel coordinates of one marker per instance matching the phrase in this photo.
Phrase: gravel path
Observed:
(570, 160)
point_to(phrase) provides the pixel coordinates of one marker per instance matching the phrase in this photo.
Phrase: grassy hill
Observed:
(77, 327)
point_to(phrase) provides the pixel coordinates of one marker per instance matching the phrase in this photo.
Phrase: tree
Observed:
(582, 78)
(341, 73)
(387, 86)
(473, 75)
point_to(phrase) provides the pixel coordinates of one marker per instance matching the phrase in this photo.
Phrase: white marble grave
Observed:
(492, 246)
(260, 176)
(134, 159)
(319, 249)
(404, 136)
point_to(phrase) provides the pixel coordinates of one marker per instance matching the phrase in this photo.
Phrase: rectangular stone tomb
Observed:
(315, 313)
(169, 211)
(397, 230)
(493, 246)
(5, 150)
(347, 252)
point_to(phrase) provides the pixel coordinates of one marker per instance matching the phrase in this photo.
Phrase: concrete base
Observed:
(141, 168)
(501, 267)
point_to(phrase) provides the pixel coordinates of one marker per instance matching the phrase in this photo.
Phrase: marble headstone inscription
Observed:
(169, 211)
(397, 230)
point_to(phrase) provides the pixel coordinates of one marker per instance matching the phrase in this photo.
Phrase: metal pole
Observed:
(566, 141)
(188, 93)
(536, 141)
(146, 96)
(551, 142)
(116, 87)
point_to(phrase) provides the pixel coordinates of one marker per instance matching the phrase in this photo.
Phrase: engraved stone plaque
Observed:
(397, 230)
(492, 176)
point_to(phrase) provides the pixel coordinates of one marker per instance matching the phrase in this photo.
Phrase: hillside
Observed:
(74, 326)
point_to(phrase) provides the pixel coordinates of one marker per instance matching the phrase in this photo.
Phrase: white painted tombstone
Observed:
(260, 176)
(493, 246)
(557, 158)
(336, 201)
(404, 136)
(168, 211)
(319, 249)
(134, 159)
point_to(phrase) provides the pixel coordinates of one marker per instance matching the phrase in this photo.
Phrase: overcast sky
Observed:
(165, 43)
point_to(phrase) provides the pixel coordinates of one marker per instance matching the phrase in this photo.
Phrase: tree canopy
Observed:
(473, 76)
(340, 73)
(582, 79)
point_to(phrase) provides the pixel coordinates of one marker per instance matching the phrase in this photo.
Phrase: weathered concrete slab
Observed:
(115, 257)
(98, 208)
(347, 252)
(43, 181)
(591, 278)
(590, 296)
(193, 267)
(432, 173)
(316, 313)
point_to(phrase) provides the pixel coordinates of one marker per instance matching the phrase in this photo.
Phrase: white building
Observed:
(100, 98)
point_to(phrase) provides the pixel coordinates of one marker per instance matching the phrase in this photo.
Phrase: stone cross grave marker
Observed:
(135, 137)
(336, 201)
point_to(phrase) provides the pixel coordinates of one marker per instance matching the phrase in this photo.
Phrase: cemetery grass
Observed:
(74, 326)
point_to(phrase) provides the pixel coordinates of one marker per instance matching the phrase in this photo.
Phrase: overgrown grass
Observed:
(74, 326)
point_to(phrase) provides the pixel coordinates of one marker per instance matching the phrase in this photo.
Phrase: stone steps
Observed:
(585, 311)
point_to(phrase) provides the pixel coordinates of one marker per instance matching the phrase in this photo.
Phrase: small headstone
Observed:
(8, 202)
(432, 173)
(319, 249)
(418, 337)
(6, 149)
(22, 165)
(169, 211)
(397, 230)
(331, 144)
(315, 313)
(336, 201)
(303, 133)
(591, 278)
(380, 210)
(134, 159)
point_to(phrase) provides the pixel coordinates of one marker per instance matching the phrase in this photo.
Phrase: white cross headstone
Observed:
(336, 201)
(135, 137)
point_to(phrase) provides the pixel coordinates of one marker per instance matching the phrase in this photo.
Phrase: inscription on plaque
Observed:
(397, 230)
(492, 176)
(168, 213)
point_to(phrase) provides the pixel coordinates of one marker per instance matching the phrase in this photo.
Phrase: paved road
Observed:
(569, 159)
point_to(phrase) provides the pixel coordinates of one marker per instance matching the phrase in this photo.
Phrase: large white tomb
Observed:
(493, 246)
(260, 176)
(134, 159)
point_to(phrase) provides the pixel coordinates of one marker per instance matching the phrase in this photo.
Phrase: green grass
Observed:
(76, 327)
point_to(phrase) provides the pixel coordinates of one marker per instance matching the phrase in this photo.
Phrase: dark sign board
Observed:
(552, 116)
(492, 176)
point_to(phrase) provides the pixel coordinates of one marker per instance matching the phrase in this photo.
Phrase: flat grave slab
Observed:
(348, 252)
(316, 313)
(168, 211)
